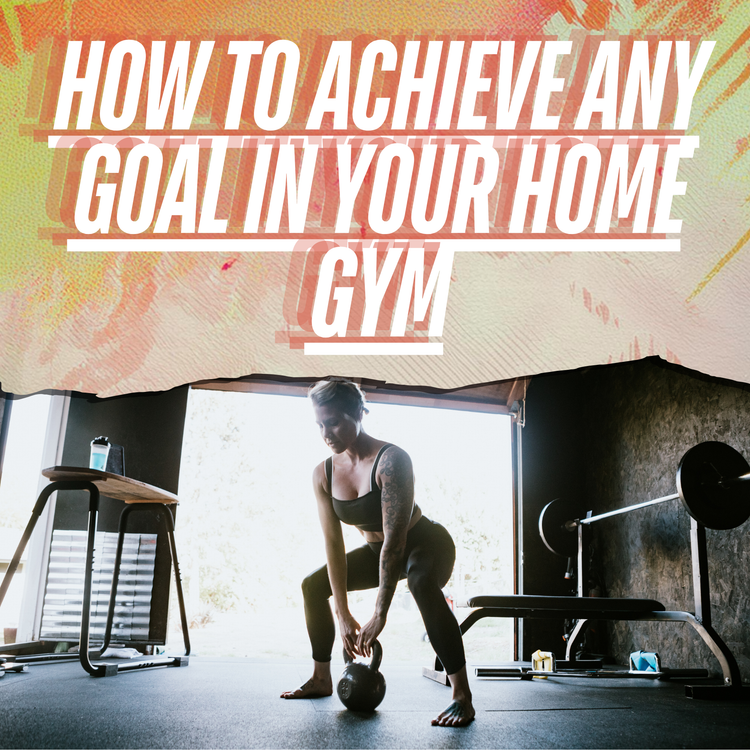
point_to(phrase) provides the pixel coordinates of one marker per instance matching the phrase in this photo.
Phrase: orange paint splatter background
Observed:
(115, 323)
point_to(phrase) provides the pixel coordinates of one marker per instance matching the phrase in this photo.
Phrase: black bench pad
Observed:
(585, 605)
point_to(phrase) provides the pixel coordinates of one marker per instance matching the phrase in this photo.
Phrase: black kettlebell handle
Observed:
(377, 656)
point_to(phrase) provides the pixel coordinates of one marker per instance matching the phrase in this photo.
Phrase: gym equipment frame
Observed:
(138, 496)
(713, 483)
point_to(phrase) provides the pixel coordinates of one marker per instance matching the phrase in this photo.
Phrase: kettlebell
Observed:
(361, 687)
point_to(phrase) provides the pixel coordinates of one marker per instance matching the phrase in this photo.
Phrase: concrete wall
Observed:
(631, 423)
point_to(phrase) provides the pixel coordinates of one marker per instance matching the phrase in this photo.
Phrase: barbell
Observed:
(713, 483)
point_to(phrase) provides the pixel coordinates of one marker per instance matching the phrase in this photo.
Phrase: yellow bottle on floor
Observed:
(543, 661)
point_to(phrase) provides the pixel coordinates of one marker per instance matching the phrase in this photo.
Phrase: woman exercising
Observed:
(369, 483)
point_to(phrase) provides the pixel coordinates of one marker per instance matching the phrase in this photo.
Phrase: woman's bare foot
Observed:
(458, 714)
(461, 712)
(311, 689)
(319, 685)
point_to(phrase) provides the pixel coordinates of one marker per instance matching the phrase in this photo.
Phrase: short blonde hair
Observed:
(339, 392)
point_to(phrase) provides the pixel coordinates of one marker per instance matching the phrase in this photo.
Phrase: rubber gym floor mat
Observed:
(235, 703)
(407, 690)
(562, 708)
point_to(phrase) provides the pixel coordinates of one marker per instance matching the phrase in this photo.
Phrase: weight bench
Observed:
(583, 610)
(713, 482)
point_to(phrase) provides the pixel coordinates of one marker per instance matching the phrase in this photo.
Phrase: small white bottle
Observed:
(99, 453)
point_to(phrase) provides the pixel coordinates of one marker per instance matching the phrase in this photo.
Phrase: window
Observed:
(248, 531)
(18, 492)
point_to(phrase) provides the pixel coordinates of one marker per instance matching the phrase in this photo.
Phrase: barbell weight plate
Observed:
(699, 478)
(552, 529)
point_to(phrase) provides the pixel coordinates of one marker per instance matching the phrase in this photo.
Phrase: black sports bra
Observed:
(363, 512)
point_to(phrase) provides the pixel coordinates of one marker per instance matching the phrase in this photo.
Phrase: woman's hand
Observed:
(369, 633)
(349, 630)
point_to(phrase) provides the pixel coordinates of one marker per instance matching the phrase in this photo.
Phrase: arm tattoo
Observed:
(397, 502)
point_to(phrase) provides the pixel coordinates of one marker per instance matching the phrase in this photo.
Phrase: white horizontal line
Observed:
(536, 244)
(153, 245)
(567, 245)
(494, 138)
(359, 348)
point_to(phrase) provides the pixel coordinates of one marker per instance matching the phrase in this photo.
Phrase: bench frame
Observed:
(583, 609)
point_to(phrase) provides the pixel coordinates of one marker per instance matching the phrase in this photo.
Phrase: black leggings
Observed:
(428, 563)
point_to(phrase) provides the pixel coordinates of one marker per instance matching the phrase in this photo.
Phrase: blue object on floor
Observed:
(644, 661)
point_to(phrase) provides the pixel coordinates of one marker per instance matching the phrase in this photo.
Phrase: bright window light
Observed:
(248, 530)
(18, 492)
